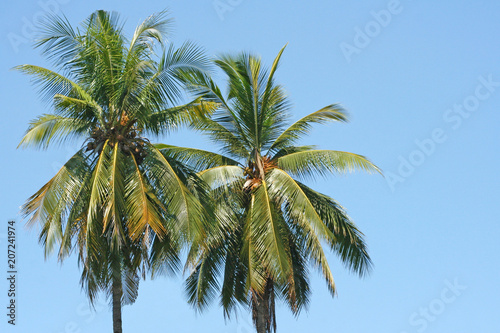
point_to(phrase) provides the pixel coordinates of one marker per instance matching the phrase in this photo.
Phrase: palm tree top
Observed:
(109, 87)
(252, 122)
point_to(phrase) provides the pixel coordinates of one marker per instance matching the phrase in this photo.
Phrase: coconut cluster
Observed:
(124, 136)
(254, 173)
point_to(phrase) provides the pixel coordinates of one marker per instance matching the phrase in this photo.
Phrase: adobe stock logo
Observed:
(453, 116)
(29, 27)
(224, 6)
(430, 313)
(364, 36)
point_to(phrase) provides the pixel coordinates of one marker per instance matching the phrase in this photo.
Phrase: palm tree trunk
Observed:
(117, 302)
(260, 312)
(263, 309)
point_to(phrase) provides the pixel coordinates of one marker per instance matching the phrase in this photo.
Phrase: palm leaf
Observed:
(143, 212)
(196, 158)
(347, 240)
(302, 126)
(309, 163)
(48, 128)
(268, 234)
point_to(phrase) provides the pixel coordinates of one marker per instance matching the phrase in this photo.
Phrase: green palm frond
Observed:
(155, 27)
(233, 143)
(58, 40)
(201, 285)
(287, 192)
(296, 290)
(347, 240)
(234, 286)
(164, 256)
(130, 283)
(196, 158)
(269, 234)
(303, 126)
(49, 205)
(143, 209)
(49, 128)
(51, 83)
(173, 191)
(255, 275)
(98, 191)
(267, 96)
(174, 66)
(309, 163)
(222, 176)
(167, 120)
(115, 203)
(292, 149)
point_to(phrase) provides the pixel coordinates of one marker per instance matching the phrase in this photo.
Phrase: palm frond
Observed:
(142, 208)
(115, 203)
(167, 120)
(51, 83)
(49, 128)
(196, 158)
(201, 285)
(309, 163)
(302, 126)
(58, 40)
(99, 191)
(347, 240)
(155, 27)
(49, 206)
(130, 285)
(256, 277)
(174, 193)
(269, 234)
(222, 175)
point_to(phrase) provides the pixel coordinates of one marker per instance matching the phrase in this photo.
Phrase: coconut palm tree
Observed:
(271, 225)
(119, 201)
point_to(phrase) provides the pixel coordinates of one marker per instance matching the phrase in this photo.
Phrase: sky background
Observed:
(421, 80)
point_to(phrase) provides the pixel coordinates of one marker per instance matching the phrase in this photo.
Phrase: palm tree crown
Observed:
(271, 226)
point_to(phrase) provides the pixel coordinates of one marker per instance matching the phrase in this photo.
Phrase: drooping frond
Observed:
(143, 207)
(255, 274)
(49, 128)
(202, 285)
(222, 176)
(347, 240)
(269, 234)
(172, 190)
(115, 203)
(50, 205)
(130, 285)
(287, 192)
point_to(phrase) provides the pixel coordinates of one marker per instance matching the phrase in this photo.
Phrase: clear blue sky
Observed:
(421, 80)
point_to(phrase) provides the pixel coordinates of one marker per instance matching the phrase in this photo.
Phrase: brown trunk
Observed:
(117, 303)
(261, 316)
(263, 308)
